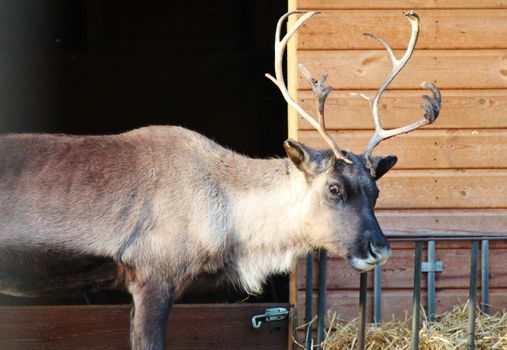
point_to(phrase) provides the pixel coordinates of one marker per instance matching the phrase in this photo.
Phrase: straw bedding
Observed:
(448, 333)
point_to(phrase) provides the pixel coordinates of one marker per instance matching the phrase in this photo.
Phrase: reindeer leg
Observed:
(152, 301)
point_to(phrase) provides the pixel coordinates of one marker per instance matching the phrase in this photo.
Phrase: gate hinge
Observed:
(274, 314)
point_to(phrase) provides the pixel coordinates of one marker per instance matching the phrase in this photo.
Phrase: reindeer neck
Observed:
(265, 196)
(267, 205)
(268, 202)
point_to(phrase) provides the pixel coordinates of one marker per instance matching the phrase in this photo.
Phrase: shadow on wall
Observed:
(110, 66)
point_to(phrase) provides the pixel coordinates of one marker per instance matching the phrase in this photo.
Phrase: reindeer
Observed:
(152, 209)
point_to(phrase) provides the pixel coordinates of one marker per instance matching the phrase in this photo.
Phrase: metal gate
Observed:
(431, 267)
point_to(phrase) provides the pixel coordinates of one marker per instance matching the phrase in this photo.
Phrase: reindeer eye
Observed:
(334, 190)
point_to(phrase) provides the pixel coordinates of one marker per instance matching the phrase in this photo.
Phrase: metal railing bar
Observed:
(472, 296)
(308, 300)
(440, 239)
(416, 302)
(321, 309)
(363, 291)
(449, 234)
(485, 276)
(431, 281)
(377, 295)
(443, 236)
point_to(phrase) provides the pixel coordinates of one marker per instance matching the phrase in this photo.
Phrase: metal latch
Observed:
(274, 314)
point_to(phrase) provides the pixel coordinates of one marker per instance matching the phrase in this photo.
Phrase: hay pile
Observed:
(448, 333)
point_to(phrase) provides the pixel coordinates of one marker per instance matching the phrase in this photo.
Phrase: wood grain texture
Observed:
(398, 272)
(440, 29)
(207, 326)
(472, 221)
(448, 69)
(451, 189)
(403, 5)
(461, 109)
(449, 177)
(427, 149)
(397, 304)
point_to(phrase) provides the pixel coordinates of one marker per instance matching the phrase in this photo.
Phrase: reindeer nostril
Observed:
(371, 251)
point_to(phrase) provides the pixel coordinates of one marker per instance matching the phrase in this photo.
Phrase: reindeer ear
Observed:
(305, 158)
(383, 164)
(297, 152)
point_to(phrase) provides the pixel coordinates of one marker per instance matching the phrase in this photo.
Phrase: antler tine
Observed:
(432, 107)
(321, 92)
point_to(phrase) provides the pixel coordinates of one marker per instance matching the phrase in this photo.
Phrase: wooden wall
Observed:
(106, 327)
(451, 176)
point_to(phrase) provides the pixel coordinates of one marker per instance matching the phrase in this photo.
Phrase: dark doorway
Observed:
(99, 67)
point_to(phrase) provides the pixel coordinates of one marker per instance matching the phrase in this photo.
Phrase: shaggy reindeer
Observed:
(151, 209)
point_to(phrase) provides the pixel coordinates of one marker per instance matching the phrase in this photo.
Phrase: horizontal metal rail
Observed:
(397, 237)
(418, 239)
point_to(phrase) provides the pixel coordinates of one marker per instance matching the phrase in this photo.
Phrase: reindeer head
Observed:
(342, 189)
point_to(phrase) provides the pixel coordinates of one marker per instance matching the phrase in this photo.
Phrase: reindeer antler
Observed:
(318, 87)
(432, 107)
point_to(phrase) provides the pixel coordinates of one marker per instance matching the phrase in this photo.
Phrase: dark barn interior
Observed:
(100, 67)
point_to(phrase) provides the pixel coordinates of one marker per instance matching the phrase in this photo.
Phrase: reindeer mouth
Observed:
(361, 265)
(375, 256)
